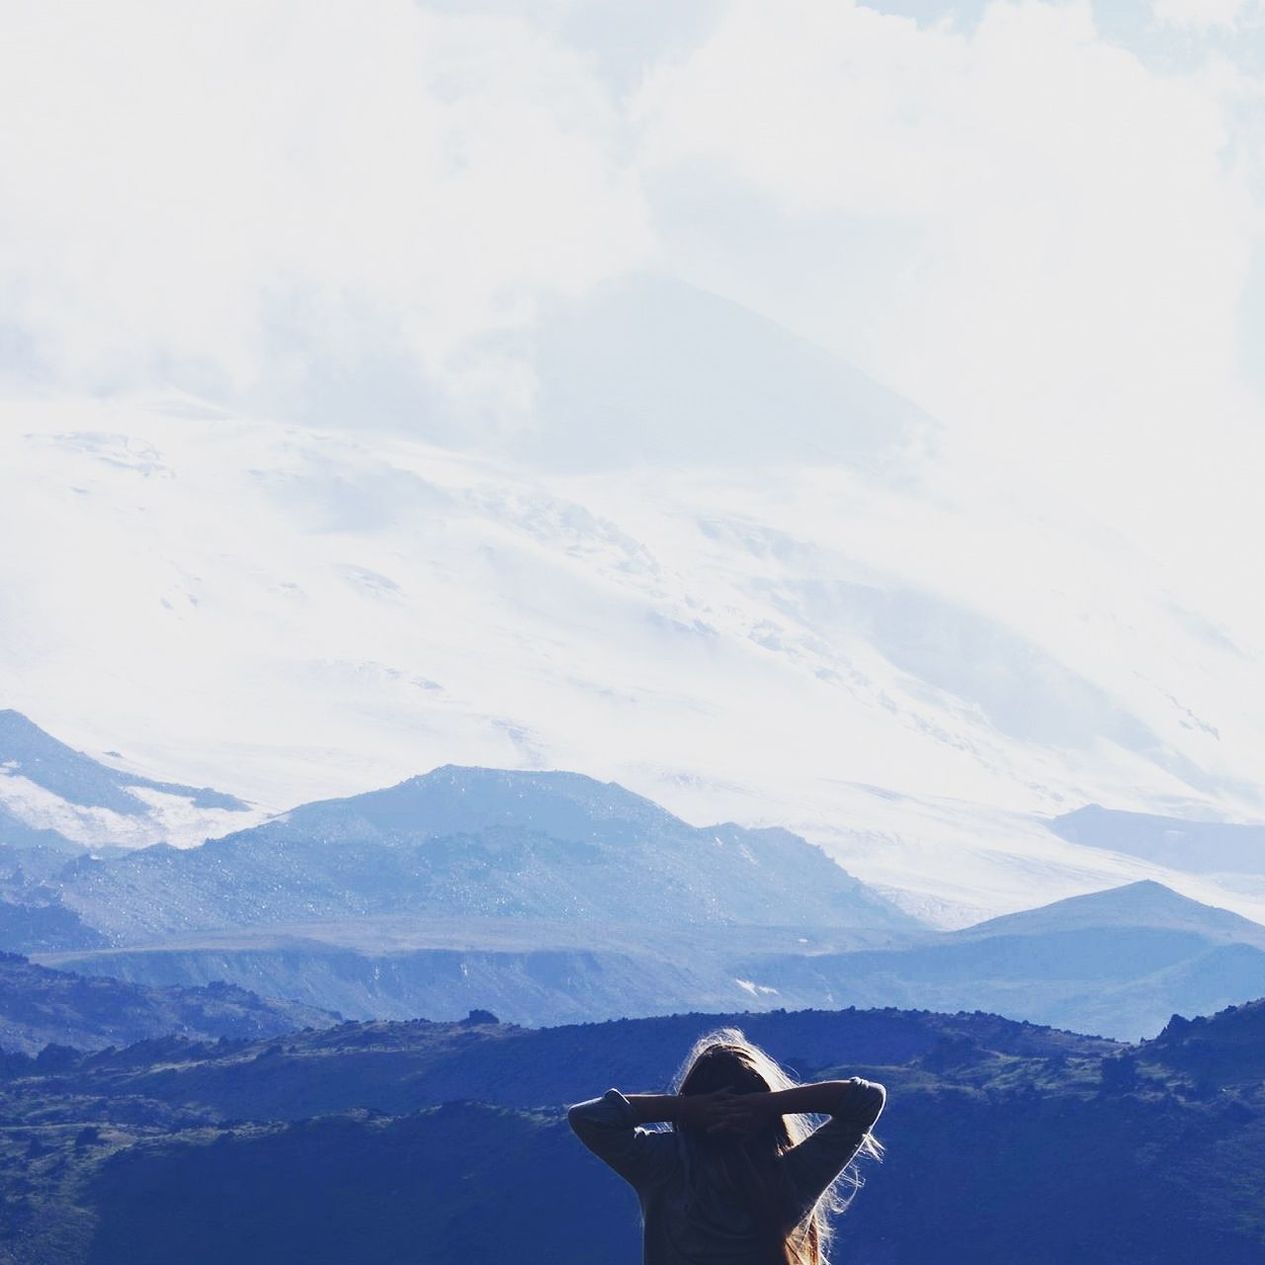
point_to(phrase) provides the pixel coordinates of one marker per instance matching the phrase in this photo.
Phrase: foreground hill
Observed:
(39, 1007)
(383, 1142)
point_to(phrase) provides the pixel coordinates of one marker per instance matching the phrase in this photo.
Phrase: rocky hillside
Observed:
(476, 843)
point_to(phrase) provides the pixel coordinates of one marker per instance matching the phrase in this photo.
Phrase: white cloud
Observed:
(1199, 14)
(1023, 227)
(179, 182)
(1027, 228)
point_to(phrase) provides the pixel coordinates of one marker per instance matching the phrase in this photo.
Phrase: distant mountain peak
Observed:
(1143, 903)
(457, 799)
(1143, 892)
(484, 775)
(550, 783)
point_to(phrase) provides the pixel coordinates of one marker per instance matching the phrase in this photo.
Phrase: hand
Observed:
(725, 1113)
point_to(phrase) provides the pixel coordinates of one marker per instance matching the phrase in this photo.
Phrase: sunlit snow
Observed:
(906, 670)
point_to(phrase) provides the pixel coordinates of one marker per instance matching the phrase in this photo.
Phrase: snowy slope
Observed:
(913, 673)
(51, 794)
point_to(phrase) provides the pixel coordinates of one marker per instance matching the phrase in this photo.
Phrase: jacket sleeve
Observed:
(816, 1161)
(607, 1126)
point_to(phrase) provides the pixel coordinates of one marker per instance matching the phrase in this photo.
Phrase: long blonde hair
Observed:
(726, 1059)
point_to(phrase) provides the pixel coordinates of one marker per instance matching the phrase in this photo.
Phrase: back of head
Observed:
(725, 1059)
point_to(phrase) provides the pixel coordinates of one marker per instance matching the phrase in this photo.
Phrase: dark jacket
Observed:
(691, 1221)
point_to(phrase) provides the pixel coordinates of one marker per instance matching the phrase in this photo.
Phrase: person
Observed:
(740, 1178)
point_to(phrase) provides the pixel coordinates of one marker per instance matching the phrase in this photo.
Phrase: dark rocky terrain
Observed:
(383, 1142)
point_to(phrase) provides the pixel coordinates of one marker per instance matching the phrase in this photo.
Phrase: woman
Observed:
(740, 1178)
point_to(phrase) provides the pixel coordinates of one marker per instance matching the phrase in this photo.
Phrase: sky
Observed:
(1041, 222)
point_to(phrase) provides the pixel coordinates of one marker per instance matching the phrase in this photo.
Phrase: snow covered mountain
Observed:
(54, 796)
(914, 666)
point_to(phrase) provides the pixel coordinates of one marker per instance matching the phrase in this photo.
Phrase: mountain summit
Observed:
(1143, 904)
(457, 800)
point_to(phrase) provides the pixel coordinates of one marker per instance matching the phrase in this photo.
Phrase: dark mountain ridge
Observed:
(399, 1067)
(1225, 1050)
(39, 1007)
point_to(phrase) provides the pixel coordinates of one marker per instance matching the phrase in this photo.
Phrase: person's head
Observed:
(725, 1059)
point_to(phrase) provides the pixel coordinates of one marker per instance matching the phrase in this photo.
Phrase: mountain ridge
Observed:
(543, 845)
(1117, 962)
(1195, 845)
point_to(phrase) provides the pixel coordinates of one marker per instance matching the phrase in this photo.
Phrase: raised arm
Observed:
(608, 1127)
(856, 1099)
(853, 1106)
